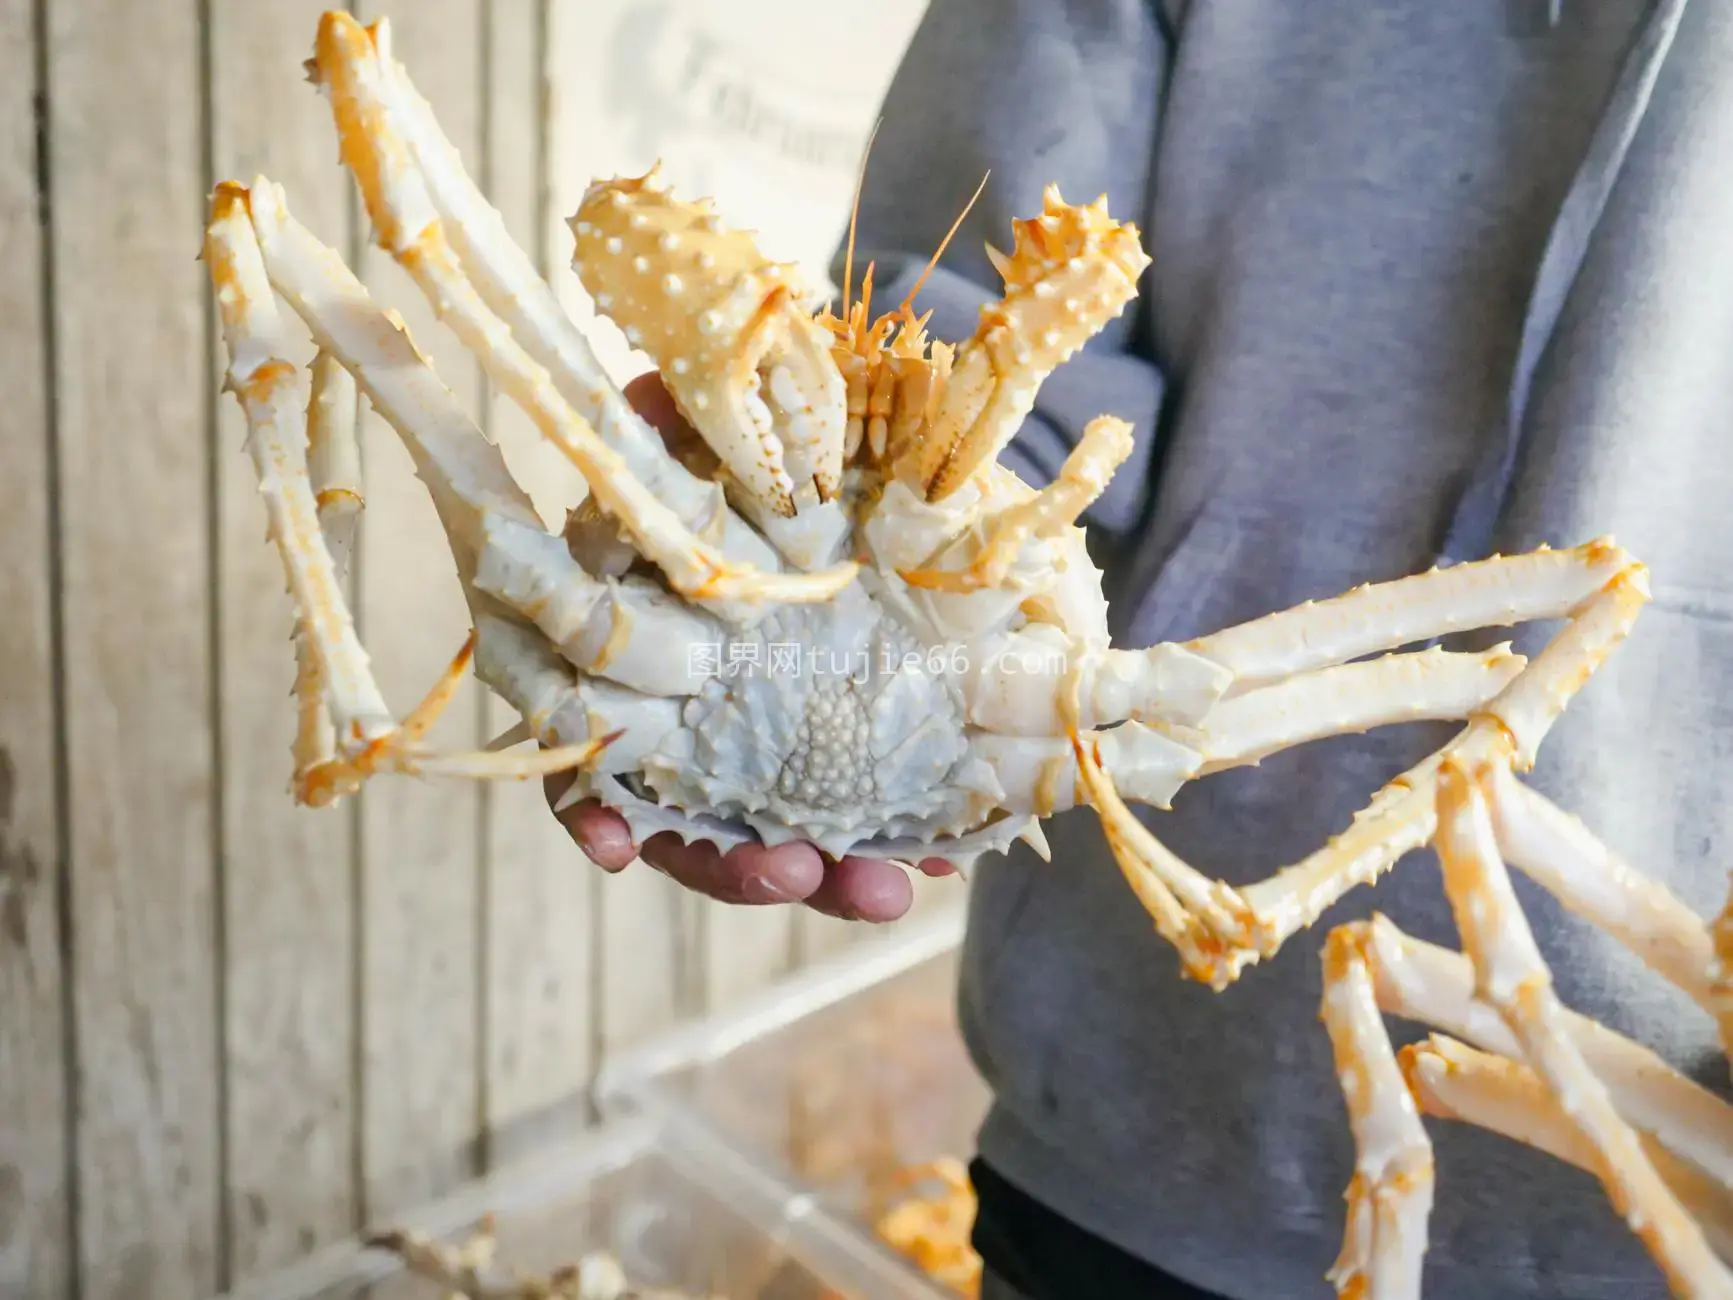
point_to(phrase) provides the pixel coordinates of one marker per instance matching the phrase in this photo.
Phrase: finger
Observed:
(601, 833)
(697, 866)
(864, 889)
(786, 873)
(650, 398)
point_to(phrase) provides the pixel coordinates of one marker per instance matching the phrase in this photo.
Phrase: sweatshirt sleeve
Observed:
(1032, 92)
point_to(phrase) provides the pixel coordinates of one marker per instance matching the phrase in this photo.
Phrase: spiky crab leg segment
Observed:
(1390, 1196)
(334, 471)
(241, 271)
(1424, 686)
(274, 395)
(1562, 855)
(1403, 815)
(1039, 681)
(510, 284)
(1149, 765)
(1498, 592)
(402, 751)
(1103, 448)
(1434, 986)
(1191, 911)
(1072, 270)
(408, 227)
(1038, 775)
(1510, 974)
(1453, 1081)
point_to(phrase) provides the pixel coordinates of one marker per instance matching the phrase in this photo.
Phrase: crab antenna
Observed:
(854, 216)
(940, 251)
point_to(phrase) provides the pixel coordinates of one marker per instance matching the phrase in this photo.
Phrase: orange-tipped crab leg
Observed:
(1452, 1081)
(334, 468)
(1562, 855)
(628, 631)
(274, 394)
(1433, 986)
(1039, 775)
(1498, 592)
(1403, 815)
(407, 226)
(1390, 1196)
(1148, 765)
(1510, 974)
(515, 291)
(275, 398)
(1422, 686)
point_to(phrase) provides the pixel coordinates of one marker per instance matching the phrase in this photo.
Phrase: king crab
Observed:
(844, 497)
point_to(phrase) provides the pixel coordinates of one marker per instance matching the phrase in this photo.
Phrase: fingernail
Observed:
(759, 890)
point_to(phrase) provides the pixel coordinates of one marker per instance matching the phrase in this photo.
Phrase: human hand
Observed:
(853, 889)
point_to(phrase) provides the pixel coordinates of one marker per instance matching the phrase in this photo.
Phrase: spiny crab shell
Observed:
(856, 722)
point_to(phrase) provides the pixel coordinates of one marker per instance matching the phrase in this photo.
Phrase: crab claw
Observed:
(748, 366)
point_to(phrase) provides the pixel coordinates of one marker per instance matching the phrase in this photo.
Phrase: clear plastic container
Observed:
(831, 1085)
(672, 1214)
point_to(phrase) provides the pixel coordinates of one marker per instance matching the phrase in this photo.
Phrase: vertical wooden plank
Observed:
(538, 914)
(36, 1246)
(746, 948)
(819, 936)
(651, 948)
(134, 393)
(420, 840)
(289, 871)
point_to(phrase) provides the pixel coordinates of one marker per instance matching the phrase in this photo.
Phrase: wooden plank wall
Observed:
(232, 1031)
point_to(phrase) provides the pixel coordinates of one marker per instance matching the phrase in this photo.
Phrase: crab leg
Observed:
(334, 471)
(1196, 914)
(1071, 271)
(511, 286)
(274, 395)
(1149, 765)
(369, 742)
(1453, 1081)
(1390, 1196)
(1561, 854)
(560, 706)
(408, 227)
(1498, 592)
(626, 630)
(986, 561)
(1425, 686)
(1403, 815)
(1510, 974)
(1434, 986)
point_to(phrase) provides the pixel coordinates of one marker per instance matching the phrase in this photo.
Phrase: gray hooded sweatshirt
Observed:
(1431, 279)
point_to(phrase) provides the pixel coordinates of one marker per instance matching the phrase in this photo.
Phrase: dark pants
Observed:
(1031, 1253)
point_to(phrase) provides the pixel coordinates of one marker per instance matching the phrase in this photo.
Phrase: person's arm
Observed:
(1035, 92)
